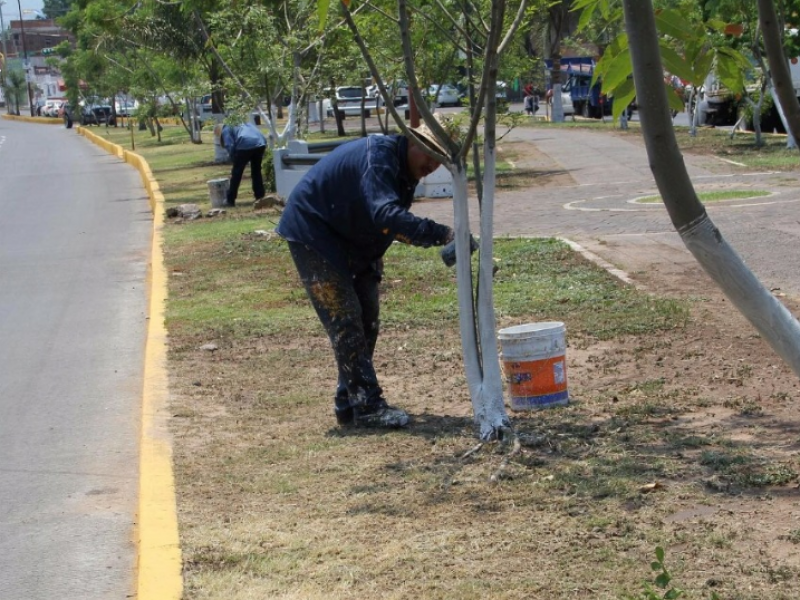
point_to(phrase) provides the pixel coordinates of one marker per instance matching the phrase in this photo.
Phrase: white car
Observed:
(566, 103)
(348, 101)
(400, 93)
(444, 94)
(501, 90)
(125, 108)
(50, 107)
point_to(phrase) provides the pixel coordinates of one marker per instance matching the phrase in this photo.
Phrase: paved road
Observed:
(597, 209)
(75, 231)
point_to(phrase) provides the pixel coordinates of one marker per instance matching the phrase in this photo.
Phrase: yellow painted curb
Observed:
(158, 546)
(42, 120)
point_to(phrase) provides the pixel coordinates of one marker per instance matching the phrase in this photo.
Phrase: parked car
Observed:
(566, 102)
(444, 94)
(399, 90)
(501, 92)
(50, 107)
(125, 108)
(348, 101)
(96, 115)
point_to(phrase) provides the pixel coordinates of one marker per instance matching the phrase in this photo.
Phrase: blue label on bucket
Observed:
(528, 402)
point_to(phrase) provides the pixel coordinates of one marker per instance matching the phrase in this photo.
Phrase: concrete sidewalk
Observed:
(601, 174)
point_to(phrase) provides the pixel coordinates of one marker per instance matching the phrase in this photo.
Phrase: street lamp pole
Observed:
(25, 53)
(5, 59)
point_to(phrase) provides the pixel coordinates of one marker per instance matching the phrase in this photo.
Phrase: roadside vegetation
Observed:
(275, 501)
(189, 184)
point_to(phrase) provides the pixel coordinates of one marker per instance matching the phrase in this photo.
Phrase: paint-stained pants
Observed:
(348, 307)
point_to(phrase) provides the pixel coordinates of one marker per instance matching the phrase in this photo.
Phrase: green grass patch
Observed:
(719, 196)
(231, 282)
(746, 470)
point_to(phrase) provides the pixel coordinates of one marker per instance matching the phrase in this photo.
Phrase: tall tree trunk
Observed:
(778, 327)
(779, 67)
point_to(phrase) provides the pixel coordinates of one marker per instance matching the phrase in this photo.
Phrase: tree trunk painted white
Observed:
(779, 67)
(478, 344)
(693, 102)
(556, 105)
(791, 144)
(771, 318)
(688, 215)
(756, 107)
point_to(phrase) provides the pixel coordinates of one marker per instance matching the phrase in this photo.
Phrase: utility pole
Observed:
(26, 65)
(5, 58)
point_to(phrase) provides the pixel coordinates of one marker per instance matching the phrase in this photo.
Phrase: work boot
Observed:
(379, 414)
(342, 409)
(344, 416)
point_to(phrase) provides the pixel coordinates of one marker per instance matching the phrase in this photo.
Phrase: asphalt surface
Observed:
(75, 231)
(598, 209)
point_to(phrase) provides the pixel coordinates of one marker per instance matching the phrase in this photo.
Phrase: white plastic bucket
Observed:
(218, 191)
(534, 363)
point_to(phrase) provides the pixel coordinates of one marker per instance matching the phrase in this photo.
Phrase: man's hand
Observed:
(448, 252)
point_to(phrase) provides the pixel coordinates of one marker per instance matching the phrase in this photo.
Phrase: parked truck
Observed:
(576, 79)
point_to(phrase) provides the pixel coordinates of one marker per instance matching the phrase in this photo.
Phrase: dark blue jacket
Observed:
(242, 137)
(355, 202)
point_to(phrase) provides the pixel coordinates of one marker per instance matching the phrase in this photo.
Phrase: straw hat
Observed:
(425, 136)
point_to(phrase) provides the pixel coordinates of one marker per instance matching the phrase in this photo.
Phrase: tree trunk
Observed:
(791, 144)
(779, 67)
(478, 343)
(778, 327)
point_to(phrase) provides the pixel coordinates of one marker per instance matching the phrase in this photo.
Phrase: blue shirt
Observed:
(242, 137)
(355, 202)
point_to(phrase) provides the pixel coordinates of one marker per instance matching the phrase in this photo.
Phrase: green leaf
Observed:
(587, 5)
(673, 593)
(730, 73)
(656, 566)
(738, 59)
(619, 43)
(675, 64)
(660, 554)
(702, 66)
(614, 49)
(322, 12)
(662, 580)
(582, 4)
(674, 24)
(674, 97)
(618, 71)
(585, 19)
(623, 96)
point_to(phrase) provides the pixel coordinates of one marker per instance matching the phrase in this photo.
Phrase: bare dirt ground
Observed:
(686, 439)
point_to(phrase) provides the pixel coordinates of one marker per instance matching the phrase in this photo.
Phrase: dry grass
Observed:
(277, 502)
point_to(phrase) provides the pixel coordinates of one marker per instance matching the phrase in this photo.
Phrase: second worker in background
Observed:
(245, 145)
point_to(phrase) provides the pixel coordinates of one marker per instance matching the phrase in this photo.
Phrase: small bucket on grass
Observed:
(218, 191)
(534, 363)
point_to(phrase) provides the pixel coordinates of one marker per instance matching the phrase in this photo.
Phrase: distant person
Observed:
(530, 100)
(339, 221)
(245, 145)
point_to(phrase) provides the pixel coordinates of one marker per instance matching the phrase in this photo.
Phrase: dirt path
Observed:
(586, 194)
